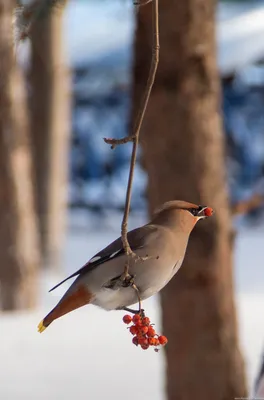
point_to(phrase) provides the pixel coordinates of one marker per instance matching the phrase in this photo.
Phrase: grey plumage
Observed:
(163, 241)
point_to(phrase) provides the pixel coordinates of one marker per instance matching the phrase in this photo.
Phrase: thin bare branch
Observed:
(130, 138)
(134, 137)
(139, 299)
(139, 120)
(136, 131)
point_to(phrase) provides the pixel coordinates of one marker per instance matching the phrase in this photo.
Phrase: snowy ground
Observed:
(88, 354)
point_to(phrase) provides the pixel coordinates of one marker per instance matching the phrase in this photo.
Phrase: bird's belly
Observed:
(149, 280)
(110, 299)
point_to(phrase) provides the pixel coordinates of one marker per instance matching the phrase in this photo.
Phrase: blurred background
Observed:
(77, 76)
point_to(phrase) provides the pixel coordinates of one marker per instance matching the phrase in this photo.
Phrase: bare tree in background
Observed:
(18, 232)
(50, 125)
(182, 144)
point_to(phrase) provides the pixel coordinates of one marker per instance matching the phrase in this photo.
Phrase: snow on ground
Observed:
(88, 353)
(249, 280)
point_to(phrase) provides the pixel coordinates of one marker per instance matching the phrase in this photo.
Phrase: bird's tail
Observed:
(70, 301)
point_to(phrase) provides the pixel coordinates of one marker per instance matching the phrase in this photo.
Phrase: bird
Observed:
(160, 247)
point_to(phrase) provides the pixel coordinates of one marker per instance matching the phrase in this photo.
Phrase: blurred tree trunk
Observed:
(183, 145)
(18, 233)
(50, 124)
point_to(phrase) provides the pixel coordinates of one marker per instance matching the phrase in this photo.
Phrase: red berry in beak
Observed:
(208, 212)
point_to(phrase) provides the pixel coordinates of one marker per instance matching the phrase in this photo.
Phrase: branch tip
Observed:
(117, 142)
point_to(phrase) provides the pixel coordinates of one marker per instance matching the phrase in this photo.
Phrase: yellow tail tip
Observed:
(41, 327)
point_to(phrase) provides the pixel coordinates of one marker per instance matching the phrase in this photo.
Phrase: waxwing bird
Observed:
(162, 242)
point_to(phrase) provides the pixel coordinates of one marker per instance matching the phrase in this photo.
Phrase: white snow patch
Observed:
(88, 354)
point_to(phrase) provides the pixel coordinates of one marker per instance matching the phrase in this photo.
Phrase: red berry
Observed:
(135, 340)
(145, 321)
(137, 319)
(145, 346)
(163, 340)
(127, 319)
(140, 336)
(152, 341)
(143, 330)
(133, 329)
(151, 331)
(142, 340)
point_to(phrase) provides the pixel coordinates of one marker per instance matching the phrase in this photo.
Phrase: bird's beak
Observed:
(205, 212)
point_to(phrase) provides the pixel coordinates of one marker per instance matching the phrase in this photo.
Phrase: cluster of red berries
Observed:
(143, 332)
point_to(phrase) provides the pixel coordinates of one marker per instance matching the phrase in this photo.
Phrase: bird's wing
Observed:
(136, 238)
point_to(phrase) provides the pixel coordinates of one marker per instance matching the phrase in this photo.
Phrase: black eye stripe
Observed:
(194, 211)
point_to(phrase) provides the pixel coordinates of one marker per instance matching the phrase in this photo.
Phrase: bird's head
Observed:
(182, 214)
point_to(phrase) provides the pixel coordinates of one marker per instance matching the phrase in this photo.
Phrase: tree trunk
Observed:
(183, 145)
(18, 233)
(50, 124)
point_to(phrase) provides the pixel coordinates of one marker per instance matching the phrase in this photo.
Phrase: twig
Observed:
(116, 142)
(140, 309)
(130, 138)
(135, 136)
(245, 206)
(139, 120)
(139, 298)
(152, 73)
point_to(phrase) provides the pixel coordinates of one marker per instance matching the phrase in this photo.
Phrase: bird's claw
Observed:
(128, 280)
